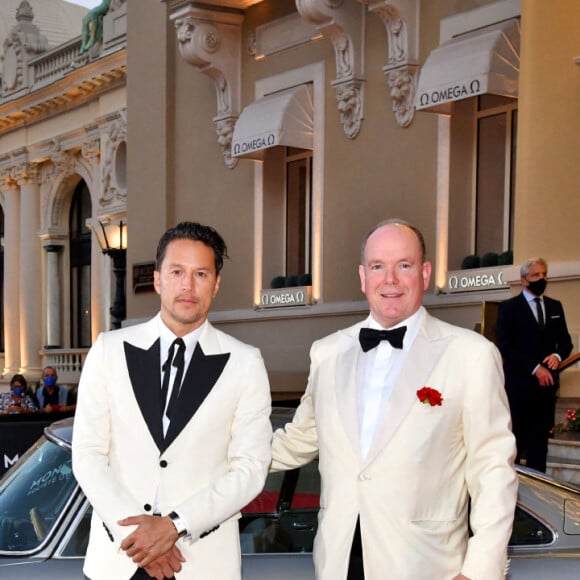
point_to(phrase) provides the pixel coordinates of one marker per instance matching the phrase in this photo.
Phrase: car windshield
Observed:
(33, 495)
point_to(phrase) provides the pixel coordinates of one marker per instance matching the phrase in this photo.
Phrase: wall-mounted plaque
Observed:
(143, 277)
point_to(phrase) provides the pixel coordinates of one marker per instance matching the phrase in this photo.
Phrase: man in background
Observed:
(533, 339)
(51, 396)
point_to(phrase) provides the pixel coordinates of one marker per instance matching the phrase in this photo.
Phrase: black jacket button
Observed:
(147, 507)
(163, 463)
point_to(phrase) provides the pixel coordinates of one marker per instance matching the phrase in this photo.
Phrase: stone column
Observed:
(53, 296)
(11, 278)
(30, 283)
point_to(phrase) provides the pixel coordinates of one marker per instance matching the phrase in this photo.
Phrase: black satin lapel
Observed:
(202, 374)
(145, 373)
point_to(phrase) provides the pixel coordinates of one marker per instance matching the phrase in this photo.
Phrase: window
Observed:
(496, 146)
(483, 136)
(80, 268)
(288, 190)
(298, 210)
(287, 217)
(529, 531)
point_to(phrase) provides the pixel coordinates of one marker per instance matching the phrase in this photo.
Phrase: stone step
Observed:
(563, 460)
(561, 449)
(564, 471)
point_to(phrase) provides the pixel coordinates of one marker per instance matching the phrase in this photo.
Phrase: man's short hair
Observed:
(197, 233)
(394, 222)
(49, 367)
(525, 267)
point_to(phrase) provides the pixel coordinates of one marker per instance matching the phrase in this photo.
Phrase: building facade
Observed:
(292, 127)
(62, 171)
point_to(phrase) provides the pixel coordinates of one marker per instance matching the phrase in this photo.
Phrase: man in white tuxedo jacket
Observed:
(405, 433)
(172, 432)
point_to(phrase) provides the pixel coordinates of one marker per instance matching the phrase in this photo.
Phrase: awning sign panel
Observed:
(283, 118)
(476, 63)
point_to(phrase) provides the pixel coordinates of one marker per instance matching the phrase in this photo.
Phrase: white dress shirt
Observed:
(531, 298)
(377, 373)
(166, 338)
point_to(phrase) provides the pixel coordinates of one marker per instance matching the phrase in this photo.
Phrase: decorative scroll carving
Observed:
(22, 43)
(211, 42)
(117, 134)
(401, 20)
(341, 22)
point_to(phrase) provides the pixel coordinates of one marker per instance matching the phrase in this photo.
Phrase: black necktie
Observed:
(538, 302)
(369, 337)
(175, 358)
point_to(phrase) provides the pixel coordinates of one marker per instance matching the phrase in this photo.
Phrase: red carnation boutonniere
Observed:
(429, 396)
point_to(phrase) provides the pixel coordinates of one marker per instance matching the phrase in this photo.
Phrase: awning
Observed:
(283, 118)
(479, 62)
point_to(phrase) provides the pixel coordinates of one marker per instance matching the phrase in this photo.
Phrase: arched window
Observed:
(80, 267)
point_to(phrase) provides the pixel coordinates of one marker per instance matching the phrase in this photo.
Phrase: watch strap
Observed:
(179, 524)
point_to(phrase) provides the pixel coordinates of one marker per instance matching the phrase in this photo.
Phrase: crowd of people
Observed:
(49, 397)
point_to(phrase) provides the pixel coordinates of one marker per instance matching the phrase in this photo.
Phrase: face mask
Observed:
(49, 381)
(17, 390)
(538, 286)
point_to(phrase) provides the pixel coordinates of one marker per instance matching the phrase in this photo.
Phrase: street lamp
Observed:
(112, 238)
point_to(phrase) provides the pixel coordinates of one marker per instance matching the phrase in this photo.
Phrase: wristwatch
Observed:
(179, 524)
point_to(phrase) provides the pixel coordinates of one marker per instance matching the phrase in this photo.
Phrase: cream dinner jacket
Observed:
(411, 491)
(212, 462)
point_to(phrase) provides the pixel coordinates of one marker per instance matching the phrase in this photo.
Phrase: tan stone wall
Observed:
(548, 172)
(177, 171)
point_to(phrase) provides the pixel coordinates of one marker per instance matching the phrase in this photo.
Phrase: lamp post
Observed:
(113, 241)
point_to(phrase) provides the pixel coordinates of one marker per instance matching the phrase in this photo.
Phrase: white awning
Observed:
(479, 62)
(283, 118)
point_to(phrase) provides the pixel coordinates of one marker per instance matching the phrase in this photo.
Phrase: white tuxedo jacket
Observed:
(411, 491)
(212, 462)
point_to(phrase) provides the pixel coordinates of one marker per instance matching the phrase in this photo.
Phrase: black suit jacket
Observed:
(523, 344)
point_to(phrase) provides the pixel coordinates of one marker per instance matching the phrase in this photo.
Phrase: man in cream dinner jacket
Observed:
(406, 433)
(157, 468)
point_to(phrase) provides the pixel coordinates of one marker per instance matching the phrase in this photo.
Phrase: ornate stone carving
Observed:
(7, 179)
(91, 150)
(26, 173)
(401, 20)
(350, 98)
(63, 162)
(22, 43)
(403, 84)
(111, 191)
(342, 23)
(225, 132)
(211, 42)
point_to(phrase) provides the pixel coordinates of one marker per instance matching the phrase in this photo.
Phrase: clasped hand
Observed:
(152, 545)
(543, 374)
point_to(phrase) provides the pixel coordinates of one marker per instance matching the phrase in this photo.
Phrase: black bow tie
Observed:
(369, 337)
